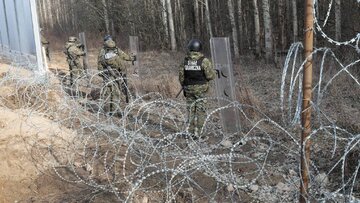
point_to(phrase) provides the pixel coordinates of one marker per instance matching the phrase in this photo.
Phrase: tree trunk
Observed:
(197, 18)
(240, 25)
(45, 13)
(106, 17)
(281, 21)
(294, 20)
(208, 18)
(164, 18)
(233, 27)
(49, 9)
(171, 26)
(257, 29)
(268, 31)
(337, 20)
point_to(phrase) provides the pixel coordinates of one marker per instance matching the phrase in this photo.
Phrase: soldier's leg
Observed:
(190, 100)
(47, 52)
(200, 114)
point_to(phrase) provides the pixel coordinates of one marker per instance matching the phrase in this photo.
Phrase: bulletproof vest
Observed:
(110, 58)
(194, 74)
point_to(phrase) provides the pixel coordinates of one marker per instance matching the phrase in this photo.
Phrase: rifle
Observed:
(182, 89)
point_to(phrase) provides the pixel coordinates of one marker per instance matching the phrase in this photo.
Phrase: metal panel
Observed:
(225, 86)
(134, 49)
(19, 32)
(26, 34)
(3, 26)
(12, 25)
(82, 38)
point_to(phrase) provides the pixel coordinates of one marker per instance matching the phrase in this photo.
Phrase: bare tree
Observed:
(338, 20)
(164, 18)
(240, 25)
(106, 17)
(197, 18)
(257, 29)
(268, 31)
(281, 21)
(171, 25)
(294, 20)
(208, 18)
(233, 27)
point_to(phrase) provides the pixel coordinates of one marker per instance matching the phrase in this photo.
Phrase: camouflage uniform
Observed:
(74, 52)
(112, 67)
(45, 44)
(194, 75)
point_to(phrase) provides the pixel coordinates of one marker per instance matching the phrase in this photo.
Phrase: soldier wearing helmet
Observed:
(74, 51)
(45, 44)
(112, 67)
(195, 72)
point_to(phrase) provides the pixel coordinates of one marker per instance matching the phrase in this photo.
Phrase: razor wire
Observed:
(147, 149)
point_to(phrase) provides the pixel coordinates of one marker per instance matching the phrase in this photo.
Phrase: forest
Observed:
(261, 27)
(293, 109)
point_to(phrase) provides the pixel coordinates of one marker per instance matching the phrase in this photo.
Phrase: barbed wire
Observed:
(147, 149)
(144, 147)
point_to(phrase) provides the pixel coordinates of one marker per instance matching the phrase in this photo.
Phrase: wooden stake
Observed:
(306, 105)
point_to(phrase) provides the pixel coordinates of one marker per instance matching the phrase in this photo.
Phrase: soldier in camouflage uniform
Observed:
(74, 51)
(194, 74)
(45, 44)
(112, 67)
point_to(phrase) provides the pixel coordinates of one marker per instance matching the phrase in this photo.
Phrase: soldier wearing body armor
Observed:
(74, 50)
(112, 67)
(194, 75)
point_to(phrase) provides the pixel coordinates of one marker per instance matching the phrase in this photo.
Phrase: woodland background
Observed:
(262, 27)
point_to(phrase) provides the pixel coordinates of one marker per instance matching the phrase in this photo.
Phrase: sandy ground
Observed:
(25, 178)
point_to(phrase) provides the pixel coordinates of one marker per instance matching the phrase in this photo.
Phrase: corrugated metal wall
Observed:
(19, 31)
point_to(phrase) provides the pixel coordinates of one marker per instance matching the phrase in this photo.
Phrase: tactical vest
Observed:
(193, 73)
(110, 58)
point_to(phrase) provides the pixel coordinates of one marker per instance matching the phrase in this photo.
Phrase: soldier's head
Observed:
(107, 37)
(72, 39)
(109, 44)
(194, 45)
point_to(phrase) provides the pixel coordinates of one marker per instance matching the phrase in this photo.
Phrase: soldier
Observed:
(45, 44)
(194, 75)
(113, 70)
(74, 50)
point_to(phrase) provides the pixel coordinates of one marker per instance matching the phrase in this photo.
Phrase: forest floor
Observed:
(258, 84)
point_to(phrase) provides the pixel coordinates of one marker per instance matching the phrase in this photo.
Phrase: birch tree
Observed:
(268, 30)
(233, 27)
(171, 25)
(164, 18)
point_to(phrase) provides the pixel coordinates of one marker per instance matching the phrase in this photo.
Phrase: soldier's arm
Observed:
(210, 73)
(99, 63)
(181, 75)
(43, 40)
(125, 56)
(79, 52)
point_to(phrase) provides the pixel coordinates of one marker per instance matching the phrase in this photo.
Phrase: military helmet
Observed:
(107, 37)
(194, 45)
(110, 44)
(72, 39)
